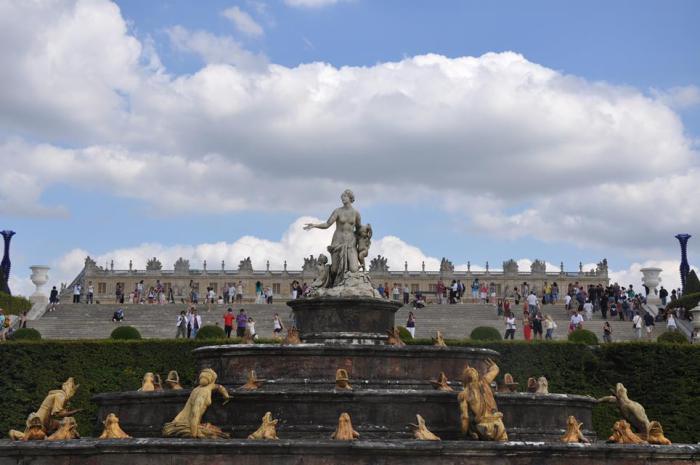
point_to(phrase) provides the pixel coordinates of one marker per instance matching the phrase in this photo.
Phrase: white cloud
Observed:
(680, 97)
(243, 22)
(670, 276)
(507, 145)
(312, 3)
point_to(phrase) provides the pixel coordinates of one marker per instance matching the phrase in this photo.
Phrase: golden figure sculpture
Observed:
(149, 383)
(623, 434)
(656, 434)
(441, 383)
(508, 384)
(421, 432)
(112, 430)
(247, 337)
(573, 431)
(267, 430)
(292, 337)
(342, 381)
(253, 382)
(53, 408)
(480, 418)
(531, 385)
(542, 386)
(394, 338)
(173, 381)
(344, 431)
(438, 340)
(68, 429)
(34, 431)
(188, 423)
(630, 410)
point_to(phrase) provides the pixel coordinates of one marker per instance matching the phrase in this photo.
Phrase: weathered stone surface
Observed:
(336, 319)
(293, 452)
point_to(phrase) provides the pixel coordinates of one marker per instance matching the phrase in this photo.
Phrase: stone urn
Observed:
(39, 278)
(696, 317)
(651, 279)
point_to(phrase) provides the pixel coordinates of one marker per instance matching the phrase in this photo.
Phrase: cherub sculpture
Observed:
(441, 383)
(252, 383)
(292, 337)
(421, 432)
(342, 381)
(188, 423)
(267, 430)
(573, 431)
(623, 434)
(508, 384)
(173, 381)
(68, 429)
(480, 418)
(323, 273)
(438, 340)
(344, 431)
(149, 383)
(364, 236)
(656, 434)
(112, 430)
(394, 338)
(53, 408)
(542, 386)
(35, 430)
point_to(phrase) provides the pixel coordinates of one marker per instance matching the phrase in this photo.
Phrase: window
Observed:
(432, 287)
(276, 288)
(101, 288)
(415, 288)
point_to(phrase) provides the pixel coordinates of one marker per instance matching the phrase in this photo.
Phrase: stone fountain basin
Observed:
(379, 366)
(376, 413)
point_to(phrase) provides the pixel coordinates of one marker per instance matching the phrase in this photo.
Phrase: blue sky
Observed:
(129, 87)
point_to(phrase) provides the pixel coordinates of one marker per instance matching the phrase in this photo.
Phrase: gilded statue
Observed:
(342, 381)
(348, 249)
(441, 384)
(292, 337)
(344, 431)
(34, 432)
(531, 385)
(421, 432)
(252, 383)
(438, 340)
(623, 434)
(480, 418)
(394, 338)
(630, 410)
(508, 384)
(112, 430)
(67, 429)
(656, 434)
(542, 386)
(188, 423)
(53, 408)
(150, 383)
(267, 430)
(573, 431)
(172, 382)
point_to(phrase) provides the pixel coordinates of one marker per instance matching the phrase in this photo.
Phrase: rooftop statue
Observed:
(346, 276)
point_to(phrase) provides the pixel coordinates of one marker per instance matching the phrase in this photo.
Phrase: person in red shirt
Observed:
(228, 321)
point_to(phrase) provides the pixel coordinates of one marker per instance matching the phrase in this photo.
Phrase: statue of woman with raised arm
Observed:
(343, 248)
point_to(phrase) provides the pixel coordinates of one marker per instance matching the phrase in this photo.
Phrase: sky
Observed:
(476, 131)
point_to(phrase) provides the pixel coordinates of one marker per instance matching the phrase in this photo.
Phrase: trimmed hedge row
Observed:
(14, 305)
(662, 377)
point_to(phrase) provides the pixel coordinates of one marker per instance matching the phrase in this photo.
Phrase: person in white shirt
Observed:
(532, 303)
(76, 294)
(89, 299)
(637, 324)
(251, 327)
(231, 294)
(671, 322)
(181, 325)
(588, 309)
(576, 321)
(567, 302)
(510, 326)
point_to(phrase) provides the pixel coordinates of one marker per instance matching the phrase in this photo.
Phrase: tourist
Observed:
(663, 295)
(418, 301)
(241, 323)
(118, 294)
(53, 299)
(510, 326)
(549, 325)
(196, 323)
(670, 321)
(151, 295)
(76, 293)
(604, 306)
(396, 293)
(239, 292)
(386, 290)
(23, 320)
(483, 294)
(648, 324)
(89, 299)
(3, 321)
(588, 309)
(532, 303)
(258, 292)
(460, 291)
(475, 290)
(250, 326)
(453, 292)
(139, 290)
(536, 321)
(555, 293)
(277, 326)
(380, 290)
(637, 325)
(171, 295)
(231, 293)
(181, 325)
(576, 321)
(406, 294)
(411, 324)
(296, 290)
(118, 315)
(268, 295)
(211, 296)
(190, 312)
(567, 302)
(228, 322)
(607, 332)
(527, 326)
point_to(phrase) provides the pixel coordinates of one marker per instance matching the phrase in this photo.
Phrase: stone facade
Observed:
(105, 279)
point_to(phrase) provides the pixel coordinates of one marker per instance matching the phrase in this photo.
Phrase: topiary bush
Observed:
(125, 332)
(404, 334)
(672, 337)
(210, 332)
(583, 336)
(26, 334)
(692, 283)
(688, 301)
(14, 305)
(485, 333)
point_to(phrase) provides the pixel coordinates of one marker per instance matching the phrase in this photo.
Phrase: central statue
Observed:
(346, 273)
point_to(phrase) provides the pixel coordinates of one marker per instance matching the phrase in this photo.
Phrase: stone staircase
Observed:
(82, 321)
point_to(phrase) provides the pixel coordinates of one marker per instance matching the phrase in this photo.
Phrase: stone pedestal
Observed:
(344, 320)
(651, 279)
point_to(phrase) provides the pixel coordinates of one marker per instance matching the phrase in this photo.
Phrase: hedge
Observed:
(688, 301)
(14, 305)
(673, 337)
(125, 333)
(485, 333)
(662, 377)
(583, 336)
(27, 334)
(211, 332)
